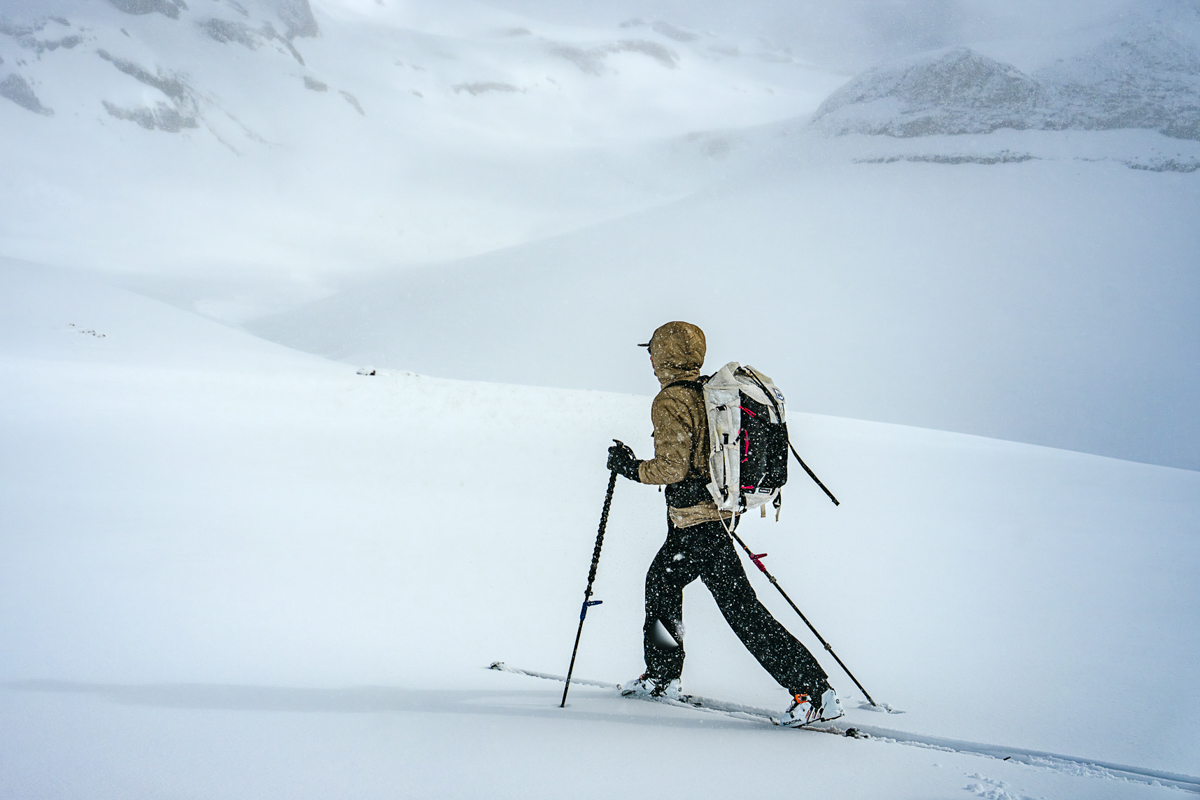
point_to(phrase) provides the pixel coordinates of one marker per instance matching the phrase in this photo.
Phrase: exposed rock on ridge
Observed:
(17, 89)
(180, 114)
(169, 8)
(958, 91)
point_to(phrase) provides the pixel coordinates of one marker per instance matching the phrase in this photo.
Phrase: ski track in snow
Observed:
(1070, 765)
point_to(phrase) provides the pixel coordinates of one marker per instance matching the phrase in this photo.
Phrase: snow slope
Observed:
(227, 568)
(997, 240)
(239, 141)
(1023, 285)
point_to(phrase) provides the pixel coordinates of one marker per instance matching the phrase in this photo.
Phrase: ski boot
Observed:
(647, 686)
(807, 709)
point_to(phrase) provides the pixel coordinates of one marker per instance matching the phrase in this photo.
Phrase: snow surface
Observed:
(236, 565)
(231, 569)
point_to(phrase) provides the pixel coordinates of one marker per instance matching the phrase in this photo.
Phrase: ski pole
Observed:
(587, 593)
(812, 475)
(757, 559)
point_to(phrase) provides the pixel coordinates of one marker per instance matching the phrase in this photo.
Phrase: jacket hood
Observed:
(678, 351)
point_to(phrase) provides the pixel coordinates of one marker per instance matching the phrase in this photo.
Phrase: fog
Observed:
(847, 36)
(965, 216)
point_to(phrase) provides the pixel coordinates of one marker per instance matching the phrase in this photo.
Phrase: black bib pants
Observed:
(705, 551)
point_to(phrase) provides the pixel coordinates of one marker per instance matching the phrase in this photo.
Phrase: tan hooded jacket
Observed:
(680, 421)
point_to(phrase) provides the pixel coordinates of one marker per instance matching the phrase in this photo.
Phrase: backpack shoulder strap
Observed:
(690, 492)
(697, 384)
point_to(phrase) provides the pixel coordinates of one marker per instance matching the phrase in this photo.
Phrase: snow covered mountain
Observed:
(288, 141)
(1143, 73)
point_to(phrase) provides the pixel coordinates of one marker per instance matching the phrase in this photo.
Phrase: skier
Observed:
(698, 544)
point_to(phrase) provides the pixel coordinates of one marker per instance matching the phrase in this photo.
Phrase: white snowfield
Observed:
(241, 566)
(231, 570)
(1025, 285)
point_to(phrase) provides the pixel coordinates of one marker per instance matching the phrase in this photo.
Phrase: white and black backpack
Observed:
(748, 439)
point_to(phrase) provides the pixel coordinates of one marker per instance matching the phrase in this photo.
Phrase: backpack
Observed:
(748, 439)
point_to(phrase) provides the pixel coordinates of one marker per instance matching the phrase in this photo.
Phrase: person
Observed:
(698, 544)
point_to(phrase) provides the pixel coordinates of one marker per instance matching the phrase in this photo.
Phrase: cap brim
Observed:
(647, 344)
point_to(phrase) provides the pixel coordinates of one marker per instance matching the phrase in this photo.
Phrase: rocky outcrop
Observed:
(298, 19)
(168, 8)
(957, 91)
(17, 89)
(180, 111)
(1149, 78)
(591, 61)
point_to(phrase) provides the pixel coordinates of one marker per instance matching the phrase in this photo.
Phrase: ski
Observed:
(694, 702)
(1072, 765)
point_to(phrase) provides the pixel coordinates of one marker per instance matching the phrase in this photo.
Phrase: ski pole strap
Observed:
(757, 559)
(583, 610)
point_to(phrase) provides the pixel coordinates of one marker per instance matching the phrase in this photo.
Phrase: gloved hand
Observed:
(622, 459)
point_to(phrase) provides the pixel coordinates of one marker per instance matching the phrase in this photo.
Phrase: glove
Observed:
(622, 459)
